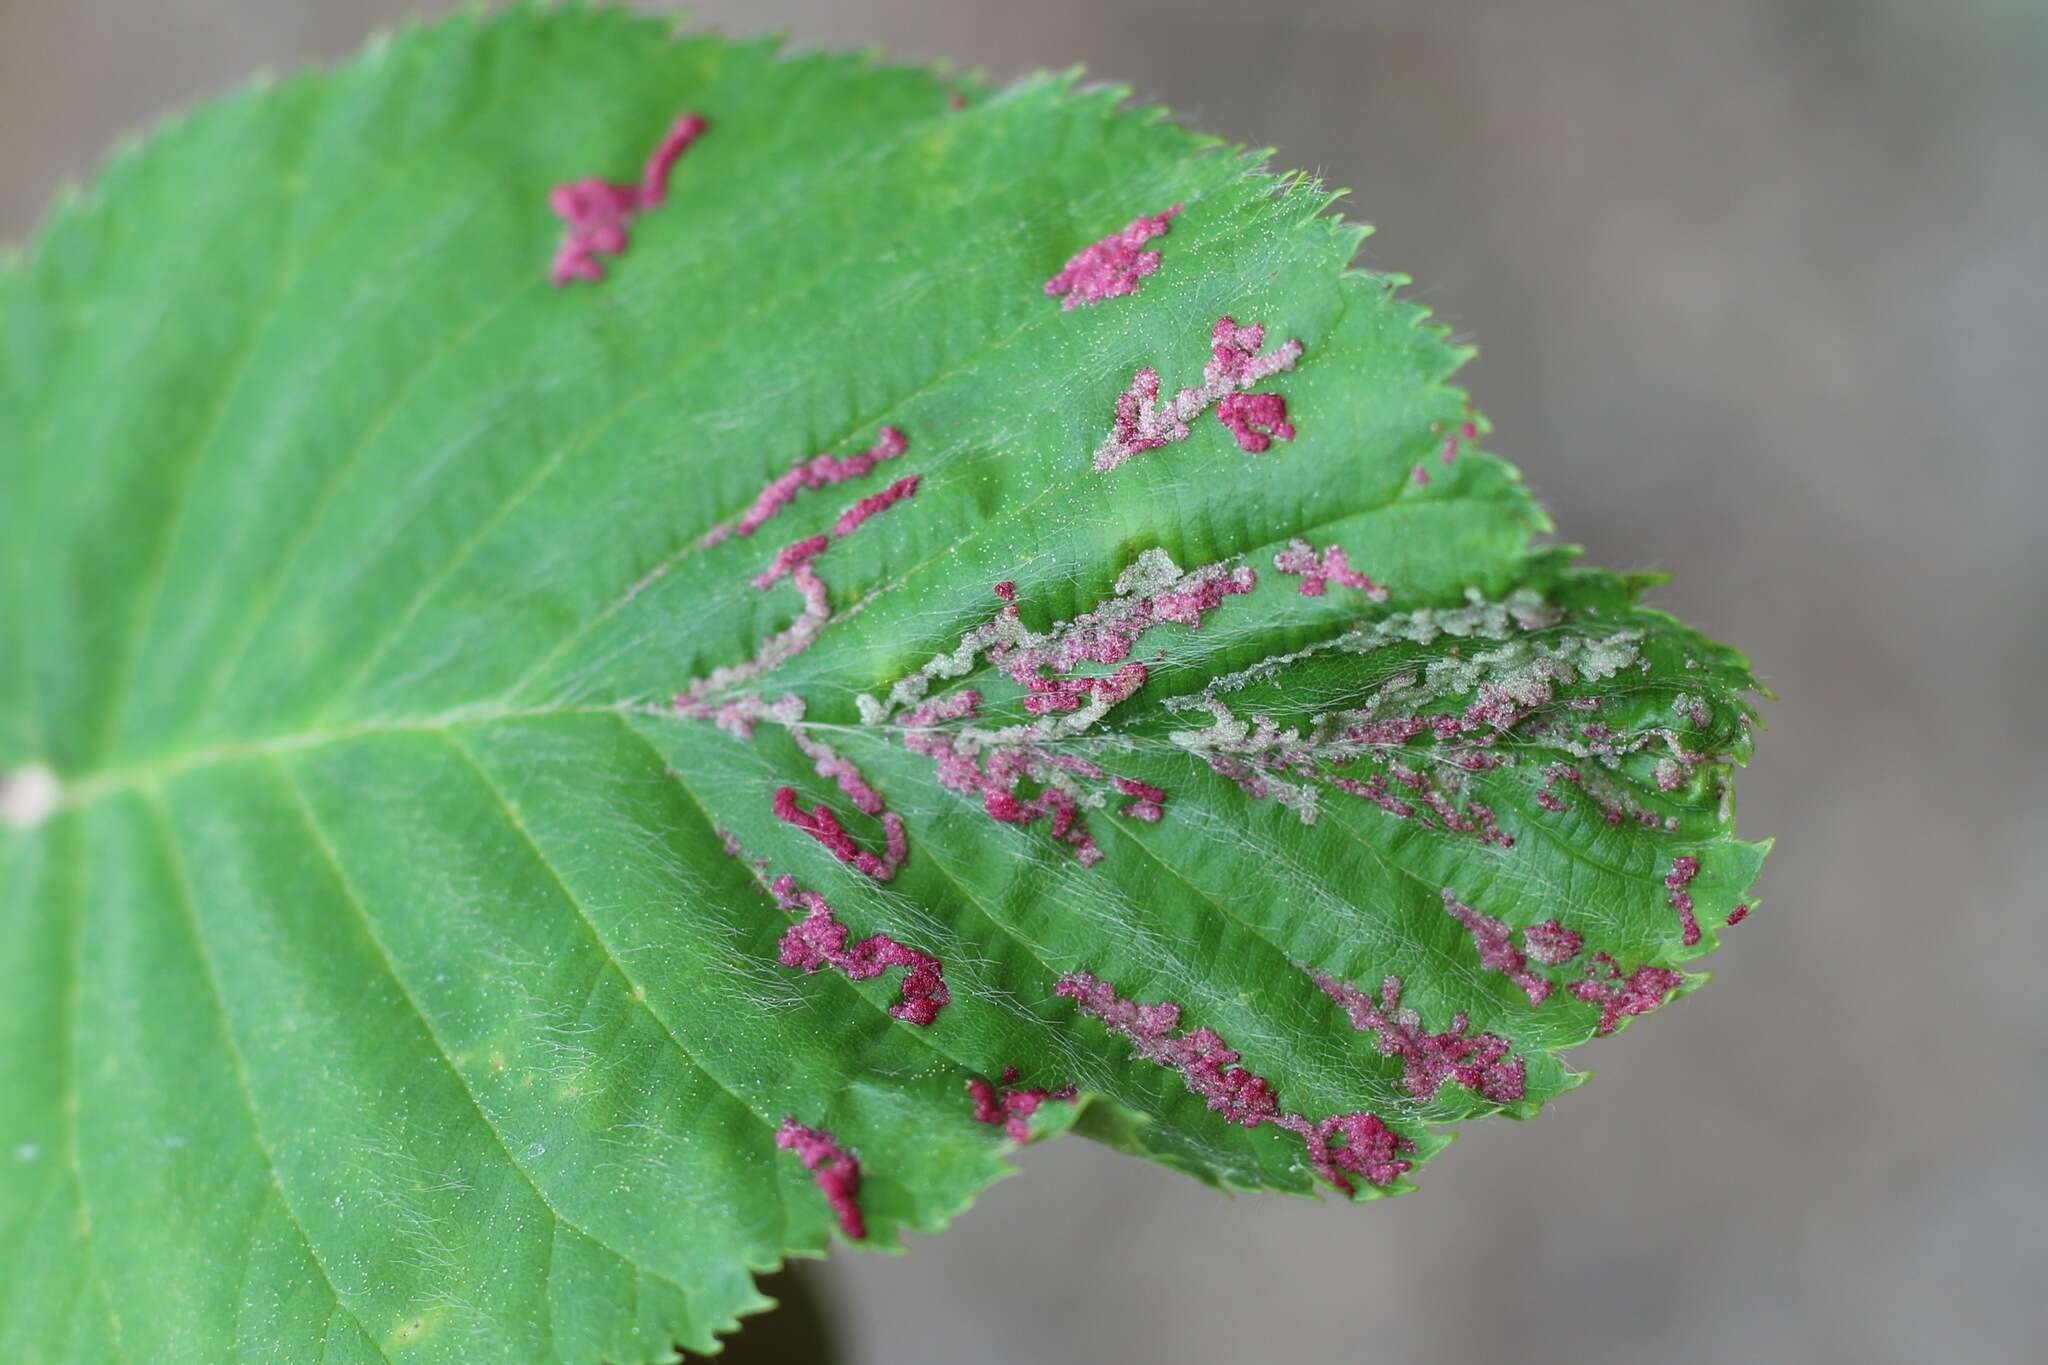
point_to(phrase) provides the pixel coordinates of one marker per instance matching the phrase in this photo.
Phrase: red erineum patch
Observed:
(1206, 1063)
(662, 160)
(819, 940)
(1113, 266)
(835, 1170)
(1148, 802)
(1474, 1061)
(741, 714)
(850, 520)
(1316, 572)
(829, 762)
(1255, 419)
(821, 824)
(1603, 983)
(1477, 819)
(1616, 806)
(1070, 694)
(1497, 951)
(996, 778)
(598, 212)
(1289, 764)
(794, 561)
(789, 557)
(1551, 944)
(1143, 423)
(1012, 1107)
(997, 775)
(1207, 1066)
(1738, 914)
(818, 471)
(1684, 868)
(1451, 443)
(1368, 1148)
(993, 763)
(1617, 996)
(1044, 665)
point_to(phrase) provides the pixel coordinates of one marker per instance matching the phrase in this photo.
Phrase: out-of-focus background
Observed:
(1762, 292)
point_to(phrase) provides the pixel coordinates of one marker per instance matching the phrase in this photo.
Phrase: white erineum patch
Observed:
(27, 796)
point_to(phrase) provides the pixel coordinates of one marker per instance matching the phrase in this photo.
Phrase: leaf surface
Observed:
(400, 972)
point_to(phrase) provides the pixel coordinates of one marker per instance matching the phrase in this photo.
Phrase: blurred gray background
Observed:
(1762, 291)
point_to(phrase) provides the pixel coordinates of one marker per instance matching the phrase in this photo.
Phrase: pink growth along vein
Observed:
(1550, 943)
(597, 213)
(1255, 419)
(819, 940)
(1497, 950)
(1011, 1106)
(1481, 1062)
(996, 776)
(1358, 1143)
(1143, 423)
(835, 1170)
(1619, 996)
(1684, 868)
(1333, 566)
(818, 471)
(821, 824)
(1111, 267)
(795, 561)
(992, 764)
(1147, 803)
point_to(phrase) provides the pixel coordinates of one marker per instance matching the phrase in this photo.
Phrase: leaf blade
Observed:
(349, 615)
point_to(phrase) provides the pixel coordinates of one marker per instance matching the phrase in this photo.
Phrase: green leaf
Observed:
(377, 982)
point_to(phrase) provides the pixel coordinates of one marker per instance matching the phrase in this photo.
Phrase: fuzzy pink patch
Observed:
(1317, 572)
(597, 213)
(1359, 1142)
(997, 777)
(1142, 422)
(1551, 944)
(850, 520)
(1452, 443)
(1385, 791)
(1012, 1106)
(821, 824)
(1148, 802)
(795, 562)
(1255, 419)
(1497, 951)
(1047, 667)
(834, 1169)
(819, 940)
(1111, 267)
(1481, 1062)
(1207, 1066)
(1620, 996)
(1684, 868)
(819, 471)
(789, 557)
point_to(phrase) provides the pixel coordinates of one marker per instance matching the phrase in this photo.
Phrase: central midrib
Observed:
(97, 786)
